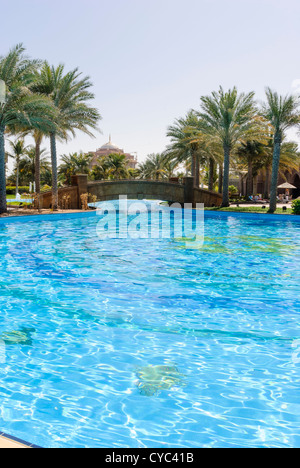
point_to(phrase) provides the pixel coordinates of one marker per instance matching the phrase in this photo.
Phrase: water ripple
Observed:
(150, 344)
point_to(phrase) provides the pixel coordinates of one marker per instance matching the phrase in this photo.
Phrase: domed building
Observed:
(110, 148)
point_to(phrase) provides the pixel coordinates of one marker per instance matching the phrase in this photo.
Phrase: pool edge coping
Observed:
(21, 442)
(207, 214)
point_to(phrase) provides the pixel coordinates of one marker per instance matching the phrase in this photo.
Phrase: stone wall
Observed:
(207, 197)
(72, 192)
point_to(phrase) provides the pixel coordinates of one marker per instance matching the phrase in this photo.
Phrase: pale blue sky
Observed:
(150, 61)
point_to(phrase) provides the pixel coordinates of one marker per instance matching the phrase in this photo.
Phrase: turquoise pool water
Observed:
(22, 200)
(146, 343)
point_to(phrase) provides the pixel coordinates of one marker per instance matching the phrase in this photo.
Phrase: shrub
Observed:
(233, 190)
(84, 201)
(10, 190)
(296, 207)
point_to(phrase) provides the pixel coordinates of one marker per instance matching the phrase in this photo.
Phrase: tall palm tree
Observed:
(289, 162)
(70, 94)
(231, 118)
(184, 144)
(251, 153)
(283, 113)
(38, 138)
(28, 164)
(188, 140)
(18, 149)
(38, 135)
(210, 153)
(19, 107)
(258, 157)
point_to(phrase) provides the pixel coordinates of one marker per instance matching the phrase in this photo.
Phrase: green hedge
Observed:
(10, 190)
(296, 207)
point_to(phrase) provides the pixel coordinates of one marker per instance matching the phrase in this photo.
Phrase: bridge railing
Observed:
(170, 180)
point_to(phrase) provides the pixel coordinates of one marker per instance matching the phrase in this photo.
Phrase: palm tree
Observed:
(18, 149)
(69, 93)
(258, 157)
(283, 113)
(169, 169)
(28, 165)
(38, 135)
(211, 154)
(184, 144)
(19, 107)
(189, 142)
(38, 138)
(289, 162)
(153, 166)
(252, 153)
(230, 118)
(115, 165)
(73, 164)
(100, 171)
(133, 173)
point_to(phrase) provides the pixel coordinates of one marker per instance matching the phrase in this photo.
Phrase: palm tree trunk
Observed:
(3, 204)
(267, 183)
(225, 202)
(193, 167)
(18, 175)
(220, 178)
(211, 174)
(54, 172)
(250, 178)
(275, 173)
(37, 164)
(197, 172)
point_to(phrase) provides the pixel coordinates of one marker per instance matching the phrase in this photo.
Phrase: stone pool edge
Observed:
(8, 441)
(92, 213)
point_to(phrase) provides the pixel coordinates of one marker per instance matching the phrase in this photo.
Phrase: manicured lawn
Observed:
(13, 197)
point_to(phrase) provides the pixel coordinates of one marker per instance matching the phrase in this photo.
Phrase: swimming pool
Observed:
(146, 343)
(17, 200)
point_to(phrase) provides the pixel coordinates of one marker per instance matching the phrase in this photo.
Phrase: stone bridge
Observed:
(172, 192)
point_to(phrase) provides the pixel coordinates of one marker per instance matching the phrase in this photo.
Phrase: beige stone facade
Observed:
(261, 183)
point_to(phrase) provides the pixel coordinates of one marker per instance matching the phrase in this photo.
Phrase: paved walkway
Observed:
(255, 205)
(21, 212)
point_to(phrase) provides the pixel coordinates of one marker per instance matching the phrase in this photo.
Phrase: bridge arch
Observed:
(134, 190)
(154, 190)
(137, 190)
